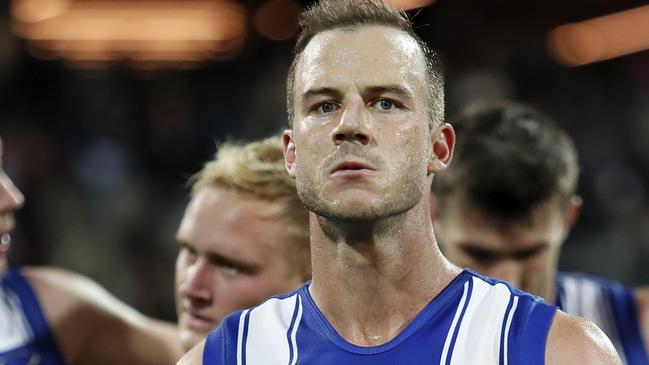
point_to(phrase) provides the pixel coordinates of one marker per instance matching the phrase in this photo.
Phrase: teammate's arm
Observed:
(641, 296)
(93, 327)
(194, 356)
(574, 340)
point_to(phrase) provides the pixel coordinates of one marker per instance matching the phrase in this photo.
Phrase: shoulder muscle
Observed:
(575, 340)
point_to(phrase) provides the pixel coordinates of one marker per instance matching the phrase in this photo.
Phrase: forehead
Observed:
(465, 225)
(220, 218)
(365, 55)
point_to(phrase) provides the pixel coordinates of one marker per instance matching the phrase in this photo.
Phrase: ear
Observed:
(573, 211)
(289, 152)
(441, 153)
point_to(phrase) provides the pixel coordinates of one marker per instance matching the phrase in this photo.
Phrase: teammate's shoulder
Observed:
(64, 292)
(55, 283)
(194, 356)
(576, 340)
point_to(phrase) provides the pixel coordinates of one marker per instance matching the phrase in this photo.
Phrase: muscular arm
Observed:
(93, 327)
(641, 296)
(574, 340)
(194, 356)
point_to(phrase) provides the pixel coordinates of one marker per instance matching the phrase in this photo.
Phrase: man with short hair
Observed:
(244, 237)
(365, 100)
(505, 208)
(50, 316)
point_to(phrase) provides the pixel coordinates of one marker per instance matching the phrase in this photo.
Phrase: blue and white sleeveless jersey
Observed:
(474, 320)
(25, 338)
(610, 306)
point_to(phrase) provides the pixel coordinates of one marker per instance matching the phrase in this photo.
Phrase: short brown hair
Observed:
(257, 170)
(509, 159)
(350, 14)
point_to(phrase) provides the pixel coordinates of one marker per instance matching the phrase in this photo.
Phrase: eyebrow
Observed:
(380, 89)
(219, 259)
(475, 248)
(329, 91)
(394, 89)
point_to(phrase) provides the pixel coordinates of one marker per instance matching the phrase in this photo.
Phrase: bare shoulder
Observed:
(575, 340)
(194, 356)
(641, 297)
(93, 327)
(65, 290)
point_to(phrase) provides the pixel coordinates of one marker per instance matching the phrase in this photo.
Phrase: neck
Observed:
(371, 280)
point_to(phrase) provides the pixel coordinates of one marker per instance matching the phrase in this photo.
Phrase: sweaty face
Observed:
(231, 257)
(360, 129)
(522, 253)
(10, 200)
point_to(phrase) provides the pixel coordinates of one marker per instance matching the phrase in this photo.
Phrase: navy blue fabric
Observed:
(625, 313)
(42, 349)
(421, 342)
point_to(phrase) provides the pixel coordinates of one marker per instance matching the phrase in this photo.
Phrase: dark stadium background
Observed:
(102, 155)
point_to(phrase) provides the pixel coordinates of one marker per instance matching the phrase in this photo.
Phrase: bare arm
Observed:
(194, 356)
(93, 327)
(574, 340)
(641, 296)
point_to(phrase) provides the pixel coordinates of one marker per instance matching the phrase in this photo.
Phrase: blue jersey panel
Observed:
(40, 347)
(610, 306)
(474, 320)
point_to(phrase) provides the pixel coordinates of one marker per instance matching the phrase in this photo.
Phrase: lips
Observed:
(351, 167)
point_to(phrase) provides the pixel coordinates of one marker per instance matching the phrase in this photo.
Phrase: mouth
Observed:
(352, 169)
(197, 322)
(5, 242)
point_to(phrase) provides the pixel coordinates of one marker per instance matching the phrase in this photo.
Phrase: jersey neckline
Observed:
(417, 323)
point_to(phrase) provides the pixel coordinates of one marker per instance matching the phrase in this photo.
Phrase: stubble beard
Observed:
(403, 194)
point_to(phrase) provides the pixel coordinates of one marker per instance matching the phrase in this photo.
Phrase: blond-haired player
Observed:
(243, 238)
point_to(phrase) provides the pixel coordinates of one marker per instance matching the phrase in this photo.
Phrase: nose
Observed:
(10, 197)
(353, 125)
(508, 270)
(196, 282)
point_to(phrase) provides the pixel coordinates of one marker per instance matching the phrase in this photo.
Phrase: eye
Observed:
(326, 107)
(385, 104)
(188, 253)
(483, 257)
(230, 270)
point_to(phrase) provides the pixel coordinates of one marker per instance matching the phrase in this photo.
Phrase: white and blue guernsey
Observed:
(25, 337)
(609, 305)
(474, 320)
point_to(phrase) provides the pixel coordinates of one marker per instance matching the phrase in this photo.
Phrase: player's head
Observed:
(10, 200)
(507, 203)
(365, 102)
(243, 238)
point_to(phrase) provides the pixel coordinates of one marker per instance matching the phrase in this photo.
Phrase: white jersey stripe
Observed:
(478, 340)
(15, 330)
(510, 317)
(585, 298)
(298, 319)
(451, 331)
(242, 321)
(268, 327)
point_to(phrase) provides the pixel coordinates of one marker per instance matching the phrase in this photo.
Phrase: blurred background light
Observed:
(601, 38)
(137, 31)
(32, 11)
(409, 4)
